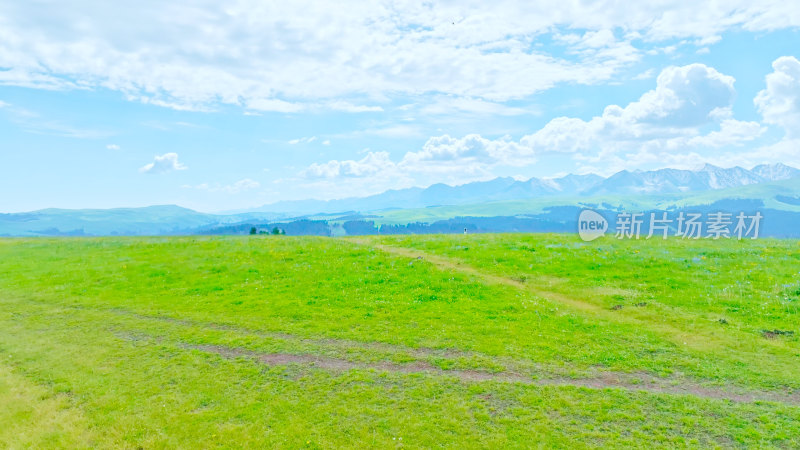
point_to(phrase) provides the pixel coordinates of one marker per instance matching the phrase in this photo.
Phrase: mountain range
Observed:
(775, 186)
(663, 181)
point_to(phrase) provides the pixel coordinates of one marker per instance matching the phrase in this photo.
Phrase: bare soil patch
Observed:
(600, 380)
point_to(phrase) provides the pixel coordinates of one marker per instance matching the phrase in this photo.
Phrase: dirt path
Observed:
(685, 338)
(597, 380)
(604, 380)
(512, 372)
(448, 264)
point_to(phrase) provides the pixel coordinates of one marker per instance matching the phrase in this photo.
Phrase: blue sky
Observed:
(219, 108)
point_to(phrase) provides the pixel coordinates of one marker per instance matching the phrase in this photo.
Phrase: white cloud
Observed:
(447, 153)
(384, 131)
(685, 98)
(784, 151)
(25, 77)
(732, 132)
(112, 147)
(448, 105)
(663, 125)
(351, 108)
(563, 134)
(274, 105)
(289, 57)
(708, 40)
(282, 106)
(162, 164)
(392, 131)
(326, 142)
(779, 103)
(441, 158)
(646, 75)
(371, 164)
(303, 140)
(34, 123)
(600, 45)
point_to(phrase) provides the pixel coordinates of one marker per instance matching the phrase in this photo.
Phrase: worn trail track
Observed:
(603, 380)
(636, 381)
(684, 337)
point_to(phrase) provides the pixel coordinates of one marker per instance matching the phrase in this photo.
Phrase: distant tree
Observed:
(276, 231)
(253, 230)
(360, 227)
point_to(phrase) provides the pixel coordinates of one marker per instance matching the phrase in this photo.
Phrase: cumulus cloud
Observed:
(371, 164)
(685, 98)
(673, 124)
(663, 125)
(112, 147)
(449, 153)
(162, 164)
(731, 132)
(779, 103)
(466, 156)
(288, 57)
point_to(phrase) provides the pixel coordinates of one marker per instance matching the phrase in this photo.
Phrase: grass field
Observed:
(511, 340)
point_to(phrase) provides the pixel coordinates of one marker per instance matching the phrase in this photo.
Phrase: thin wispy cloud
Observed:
(34, 122)
(303, 140)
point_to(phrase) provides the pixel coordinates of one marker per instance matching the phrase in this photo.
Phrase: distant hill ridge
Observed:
(662, 181)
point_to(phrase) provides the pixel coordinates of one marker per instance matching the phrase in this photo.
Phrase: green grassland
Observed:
(497, 340)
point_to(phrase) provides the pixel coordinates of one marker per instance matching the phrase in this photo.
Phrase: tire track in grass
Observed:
(634, 382)
(593, 379)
